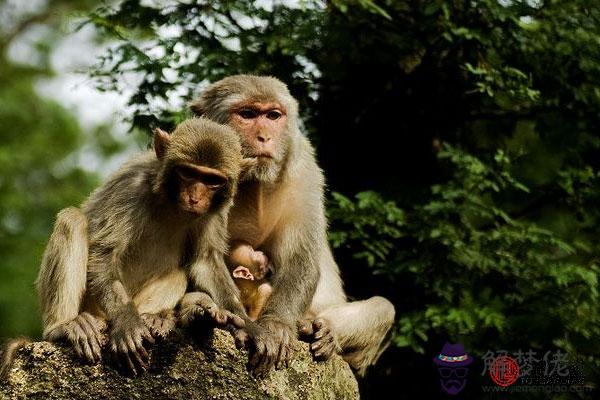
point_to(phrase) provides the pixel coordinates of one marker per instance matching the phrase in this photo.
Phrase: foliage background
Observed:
(459, 140)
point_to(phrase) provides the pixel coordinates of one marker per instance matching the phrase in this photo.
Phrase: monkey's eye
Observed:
(274, 115)
(247, 113)
(187, 174)
(213, 181)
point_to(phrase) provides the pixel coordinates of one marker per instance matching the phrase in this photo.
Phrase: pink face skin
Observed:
(261, 126)
(197, 186)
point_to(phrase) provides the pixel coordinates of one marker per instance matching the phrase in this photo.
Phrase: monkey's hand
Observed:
(323, 343)
(270, 345)
(199, 305)
(160, 324)
(126, 339)
(85, 333)
(260, 263)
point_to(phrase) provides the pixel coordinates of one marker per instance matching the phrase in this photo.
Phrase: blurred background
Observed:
(460, 141)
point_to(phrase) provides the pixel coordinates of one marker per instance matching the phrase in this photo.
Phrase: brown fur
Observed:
(280, 211)
(132, 250)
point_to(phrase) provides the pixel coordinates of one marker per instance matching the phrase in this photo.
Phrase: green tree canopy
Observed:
(470, 129)
(40, 172)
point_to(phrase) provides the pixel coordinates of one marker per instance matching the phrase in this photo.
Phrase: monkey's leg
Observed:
(360, 329)
(61, 285)
(263, 291)
(157, 300)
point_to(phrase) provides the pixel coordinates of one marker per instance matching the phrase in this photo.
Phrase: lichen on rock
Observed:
(187, 366)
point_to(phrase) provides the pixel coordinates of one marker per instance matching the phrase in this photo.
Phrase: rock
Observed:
(206, 367)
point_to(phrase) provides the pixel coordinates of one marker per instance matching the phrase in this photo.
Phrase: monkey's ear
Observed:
(197, 107)
(242, 273)
(161, 142)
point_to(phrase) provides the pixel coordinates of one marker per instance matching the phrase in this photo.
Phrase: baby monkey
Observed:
(250, 268)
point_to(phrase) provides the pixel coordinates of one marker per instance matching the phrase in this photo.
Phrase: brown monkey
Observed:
(279, 210)
(127, 256)
(249, 268)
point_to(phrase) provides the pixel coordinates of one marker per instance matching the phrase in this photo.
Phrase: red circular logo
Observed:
(504, 371)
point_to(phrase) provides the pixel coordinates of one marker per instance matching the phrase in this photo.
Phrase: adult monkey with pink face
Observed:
(279, 210)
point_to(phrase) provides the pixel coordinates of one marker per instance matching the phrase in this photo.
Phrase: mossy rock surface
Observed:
(187, 366)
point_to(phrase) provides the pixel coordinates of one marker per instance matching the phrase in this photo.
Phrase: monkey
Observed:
(279, 210)
(124, 260)
(250, 268)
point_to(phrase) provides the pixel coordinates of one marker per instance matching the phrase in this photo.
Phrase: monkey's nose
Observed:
(263, 138)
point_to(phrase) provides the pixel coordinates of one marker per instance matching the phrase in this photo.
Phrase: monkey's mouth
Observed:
(264, 154)
(193, 209)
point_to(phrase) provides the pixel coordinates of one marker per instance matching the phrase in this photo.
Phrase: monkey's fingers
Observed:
(92, 323)
(241, 337)
(324, 348)
(219, 317)
(257, 356)
(281, 358)
(140, 358)
(322, 332)
(115, 356)
(92, 335)
(167, 324)
(287, 358)
(284, 353)
(305, 327)
(147, 336)
(211, 309)
(80, 342)
(269, 359)
(79, 350)
(319, 323)
(187, 314)
(135, 357)
(125, 357)
(94, 344)
(197, 312)
(235, 320)
(318, 344)
(114, 348)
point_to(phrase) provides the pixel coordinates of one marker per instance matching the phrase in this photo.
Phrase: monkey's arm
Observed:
(295, 277)
(294, 282)
(214, 293)
(127, 329)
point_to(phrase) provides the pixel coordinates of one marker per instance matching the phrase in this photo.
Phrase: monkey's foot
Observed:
(128, 334)
(199, 305)
(323, 343)
(160, 324)
(85, 333)
(271, 346)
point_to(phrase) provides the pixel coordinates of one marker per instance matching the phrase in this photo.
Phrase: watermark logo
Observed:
(452, 364)
(504, 371)
(529, 371)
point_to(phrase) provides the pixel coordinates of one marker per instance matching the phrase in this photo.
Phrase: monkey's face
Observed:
(198, 187)
(262, 129)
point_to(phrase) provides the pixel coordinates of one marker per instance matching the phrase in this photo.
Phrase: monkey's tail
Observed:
(8, 354)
